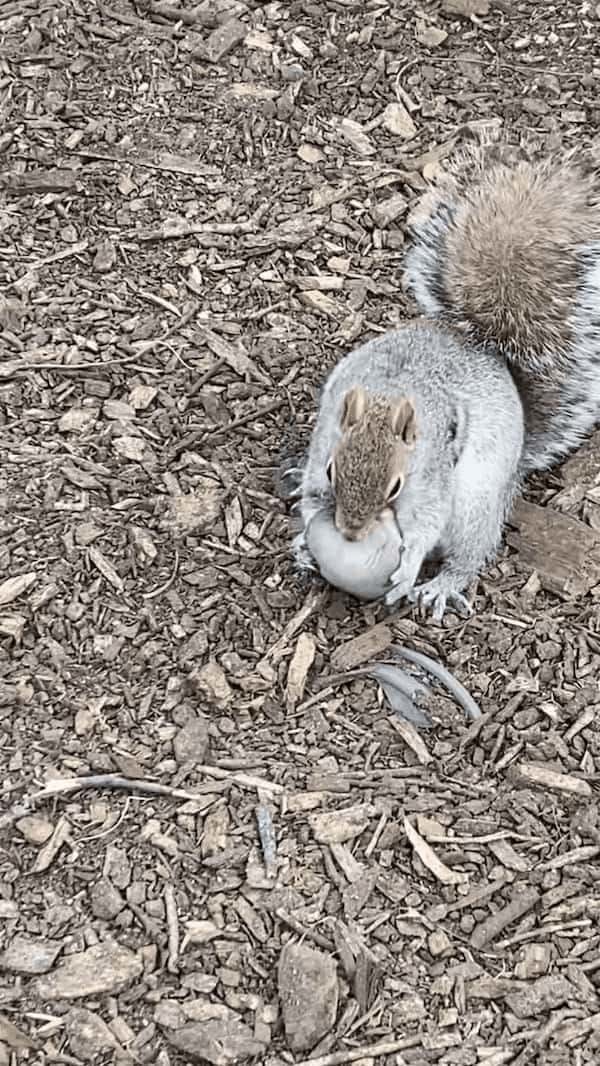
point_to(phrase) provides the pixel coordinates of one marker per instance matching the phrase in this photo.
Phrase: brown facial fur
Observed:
(378, 434)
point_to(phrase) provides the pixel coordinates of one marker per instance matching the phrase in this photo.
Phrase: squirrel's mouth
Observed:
(354, 532)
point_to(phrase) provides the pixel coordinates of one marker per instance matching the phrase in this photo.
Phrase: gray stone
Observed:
(539, 997)
(28, 955)
(222, 1041)
(116, 866)
(292, 72)
(308, 992)
(107, 967)
(35, 830)
(191, 742)
(88, 1035)
(222, 40)
(105, 899)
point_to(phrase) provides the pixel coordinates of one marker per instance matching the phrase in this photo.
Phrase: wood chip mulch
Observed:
(202, 206)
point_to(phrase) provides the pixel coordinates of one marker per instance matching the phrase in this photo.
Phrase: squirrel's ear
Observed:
(404, 422)
(353, 407)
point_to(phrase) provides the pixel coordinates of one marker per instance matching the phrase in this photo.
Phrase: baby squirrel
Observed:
(440, 420)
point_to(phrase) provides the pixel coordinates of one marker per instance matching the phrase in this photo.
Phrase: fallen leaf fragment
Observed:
(309, 153)
(197, 510)
(214, 837)
(210, 682)
(246, 94)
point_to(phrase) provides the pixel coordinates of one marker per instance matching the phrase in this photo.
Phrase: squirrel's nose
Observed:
(353, 533)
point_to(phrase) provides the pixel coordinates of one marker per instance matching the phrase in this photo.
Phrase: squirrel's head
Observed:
(368, 466)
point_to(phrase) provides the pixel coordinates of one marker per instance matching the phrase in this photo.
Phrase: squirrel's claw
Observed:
(397, 592)
(302, 556)
(403, 579)
(435, 596)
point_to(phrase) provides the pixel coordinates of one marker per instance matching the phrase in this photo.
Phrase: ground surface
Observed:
(149, 377)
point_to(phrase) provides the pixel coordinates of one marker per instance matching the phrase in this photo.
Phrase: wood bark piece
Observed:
(547, 778)
(524, 900)
(429, 858)
(564, 551)
(300, 664)
(466, 8)
(366, 1052)
(363, 648)
(40, 181)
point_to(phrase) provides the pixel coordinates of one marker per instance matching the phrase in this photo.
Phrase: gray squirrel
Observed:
(438, 422)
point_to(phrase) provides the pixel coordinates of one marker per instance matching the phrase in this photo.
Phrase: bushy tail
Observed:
(506, 246)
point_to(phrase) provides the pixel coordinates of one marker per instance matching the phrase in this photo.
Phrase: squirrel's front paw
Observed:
(302, 556)
(403, 579)
(398, 591)
(436, 595)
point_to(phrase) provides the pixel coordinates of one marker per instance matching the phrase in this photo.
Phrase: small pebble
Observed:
(105, 258)
(106, 900)
(35, 830)
(292, 72)
(438, 942)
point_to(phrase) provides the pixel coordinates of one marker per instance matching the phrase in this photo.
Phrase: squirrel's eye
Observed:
(329, 471)
(395, 488)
